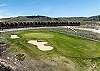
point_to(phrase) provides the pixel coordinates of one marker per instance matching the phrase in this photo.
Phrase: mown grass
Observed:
(64, 45)
(83, 52)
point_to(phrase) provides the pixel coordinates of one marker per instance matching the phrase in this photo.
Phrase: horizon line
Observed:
(44, 15)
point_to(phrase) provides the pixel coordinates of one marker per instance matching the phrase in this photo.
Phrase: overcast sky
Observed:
(53, 8)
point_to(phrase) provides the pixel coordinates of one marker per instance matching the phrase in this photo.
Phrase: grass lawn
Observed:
(64, 45)
(82, 52)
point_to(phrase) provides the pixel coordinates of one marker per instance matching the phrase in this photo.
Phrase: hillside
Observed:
(45, 18)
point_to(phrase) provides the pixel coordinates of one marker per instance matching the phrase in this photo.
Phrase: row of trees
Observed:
(7, 25)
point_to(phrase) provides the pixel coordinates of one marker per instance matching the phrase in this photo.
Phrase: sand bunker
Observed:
(41, 45)
(14, 36)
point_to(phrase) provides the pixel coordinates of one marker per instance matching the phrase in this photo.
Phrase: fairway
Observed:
(56, 50)
(64, 45)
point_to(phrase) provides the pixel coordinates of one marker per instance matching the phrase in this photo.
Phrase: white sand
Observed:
(88, 29)
(40, 45)
(14, 36)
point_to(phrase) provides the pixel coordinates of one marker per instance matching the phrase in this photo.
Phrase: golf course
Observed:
(80, 53)
(49, 35)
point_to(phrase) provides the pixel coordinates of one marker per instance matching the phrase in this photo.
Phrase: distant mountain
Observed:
(45, 18)
(28, 18)
(96, 18)
(92, 18)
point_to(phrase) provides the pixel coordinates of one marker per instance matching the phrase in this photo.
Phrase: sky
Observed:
(52, 8)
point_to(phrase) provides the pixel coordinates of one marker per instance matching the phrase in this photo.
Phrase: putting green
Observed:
(37, 35)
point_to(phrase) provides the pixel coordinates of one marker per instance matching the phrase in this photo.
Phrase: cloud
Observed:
(3, 5)
(4, 17)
